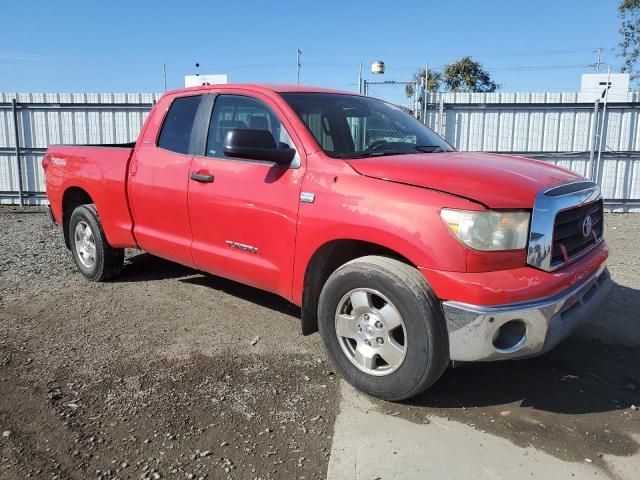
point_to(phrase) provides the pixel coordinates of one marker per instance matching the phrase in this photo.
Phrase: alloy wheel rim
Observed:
(85, 244)
(371, 332)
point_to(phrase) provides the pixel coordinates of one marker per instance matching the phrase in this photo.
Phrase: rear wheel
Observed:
(95, 258)
(383, 327)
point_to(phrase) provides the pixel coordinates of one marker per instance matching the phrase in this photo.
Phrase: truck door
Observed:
(159, 178)
(244, 212)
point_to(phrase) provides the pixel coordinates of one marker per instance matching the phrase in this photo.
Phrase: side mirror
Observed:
(255, 144)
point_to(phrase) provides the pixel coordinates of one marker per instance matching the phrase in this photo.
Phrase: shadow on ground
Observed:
(618, 321)
(145, 267)
(584, 374)
(579, 377)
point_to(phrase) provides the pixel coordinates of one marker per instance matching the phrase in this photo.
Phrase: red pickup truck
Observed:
(404, 253)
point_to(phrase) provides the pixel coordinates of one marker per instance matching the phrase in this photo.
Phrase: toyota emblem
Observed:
(587, 227)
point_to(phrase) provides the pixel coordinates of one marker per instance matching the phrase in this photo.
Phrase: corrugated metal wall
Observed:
(555, 127)
(532, 122)
(61, 118)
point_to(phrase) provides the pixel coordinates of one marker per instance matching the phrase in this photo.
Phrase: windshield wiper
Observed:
(384, 153)
(428, 148)
(370, 154)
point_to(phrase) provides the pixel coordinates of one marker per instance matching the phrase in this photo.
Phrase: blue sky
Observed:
(117, 46)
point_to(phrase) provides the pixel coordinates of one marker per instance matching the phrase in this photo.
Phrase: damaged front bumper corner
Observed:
(524, 329)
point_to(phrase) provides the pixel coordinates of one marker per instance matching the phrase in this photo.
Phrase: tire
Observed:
(98, 263)
(423, 338)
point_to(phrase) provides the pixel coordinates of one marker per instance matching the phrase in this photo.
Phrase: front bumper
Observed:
(523, 329)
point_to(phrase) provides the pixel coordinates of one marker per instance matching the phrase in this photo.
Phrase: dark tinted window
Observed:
(176, 130)
(350, 126)
(239, 112)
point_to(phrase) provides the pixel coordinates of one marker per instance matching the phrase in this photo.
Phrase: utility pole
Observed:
(298, 64)
(425, 92)
(164, 76)
(360, 79)
(605, 95)
(598, 52)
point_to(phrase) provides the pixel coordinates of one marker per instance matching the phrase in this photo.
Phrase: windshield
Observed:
(350, 126)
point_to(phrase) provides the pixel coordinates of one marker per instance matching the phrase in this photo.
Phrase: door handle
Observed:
(201, 177)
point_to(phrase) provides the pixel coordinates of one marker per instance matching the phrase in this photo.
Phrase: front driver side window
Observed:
(239, 112)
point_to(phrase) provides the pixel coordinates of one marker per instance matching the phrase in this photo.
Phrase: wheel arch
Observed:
(327, 259)
(72, 198)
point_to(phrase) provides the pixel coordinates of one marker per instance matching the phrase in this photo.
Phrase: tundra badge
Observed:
(242, 246)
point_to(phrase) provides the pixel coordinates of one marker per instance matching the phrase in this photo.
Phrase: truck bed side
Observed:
(98, 172)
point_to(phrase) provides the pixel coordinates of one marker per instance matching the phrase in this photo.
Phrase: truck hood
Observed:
(497, 181)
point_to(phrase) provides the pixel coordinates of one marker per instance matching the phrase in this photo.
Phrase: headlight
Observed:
(488, 230)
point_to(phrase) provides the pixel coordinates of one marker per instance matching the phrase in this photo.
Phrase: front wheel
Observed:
(95, 258)
(383, 327)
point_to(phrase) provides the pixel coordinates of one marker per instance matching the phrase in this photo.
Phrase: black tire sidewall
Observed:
(422, 359)
(83, 213)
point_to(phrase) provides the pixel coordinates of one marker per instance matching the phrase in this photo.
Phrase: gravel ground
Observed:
(171, 373)
(166, 373)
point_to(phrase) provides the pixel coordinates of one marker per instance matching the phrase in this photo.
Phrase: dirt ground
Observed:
(171, 373)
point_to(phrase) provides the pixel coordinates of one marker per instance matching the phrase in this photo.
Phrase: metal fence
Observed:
(29, 122)
(554, 127)
(404, 94)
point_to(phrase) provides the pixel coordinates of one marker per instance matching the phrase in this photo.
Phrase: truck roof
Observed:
(280, 88)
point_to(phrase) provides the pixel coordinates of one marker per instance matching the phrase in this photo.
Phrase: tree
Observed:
(467, 75)
(433, 84)
(629, 46)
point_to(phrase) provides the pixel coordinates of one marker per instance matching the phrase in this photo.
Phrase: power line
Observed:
(512, 67)
(539, 67)
(496, 54)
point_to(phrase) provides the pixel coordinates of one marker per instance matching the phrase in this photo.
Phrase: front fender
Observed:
(401, 218)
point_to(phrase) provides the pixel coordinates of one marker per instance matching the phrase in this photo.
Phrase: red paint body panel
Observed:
(350, 206)
(261, 214)
(99, 171)
(513, 285)
(498, 181)
(145, 198)
(251, 203)
(158, 181)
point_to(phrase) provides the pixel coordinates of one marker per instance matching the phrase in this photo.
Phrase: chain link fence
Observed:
(403, 94)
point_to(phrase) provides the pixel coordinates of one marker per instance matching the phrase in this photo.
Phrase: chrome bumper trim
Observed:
(472, 329)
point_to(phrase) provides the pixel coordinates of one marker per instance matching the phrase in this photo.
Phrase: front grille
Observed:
(569, 240)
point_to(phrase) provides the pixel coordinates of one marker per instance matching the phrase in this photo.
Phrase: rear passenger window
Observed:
(176, 129)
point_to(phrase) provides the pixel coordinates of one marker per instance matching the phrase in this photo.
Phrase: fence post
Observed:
(425, 93)
(14, 108)
(594, 137)
(441, 117)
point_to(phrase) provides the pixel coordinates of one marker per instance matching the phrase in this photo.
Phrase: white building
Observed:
(197, 80)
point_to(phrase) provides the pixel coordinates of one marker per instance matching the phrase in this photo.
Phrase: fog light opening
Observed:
(510, 336)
